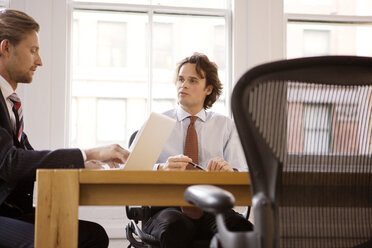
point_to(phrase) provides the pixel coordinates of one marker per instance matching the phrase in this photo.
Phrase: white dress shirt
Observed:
(217, 138)
(7, 90)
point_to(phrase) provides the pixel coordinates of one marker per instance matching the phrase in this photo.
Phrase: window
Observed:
(109, 131)
(4, 4)
(125, 56)
(316, 42)
(163, 45)
(324, 119)
(219, 48)
(111, 44)
(337, 27)
(317, 129)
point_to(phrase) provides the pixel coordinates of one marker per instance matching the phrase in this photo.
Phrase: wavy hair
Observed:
(205, 69)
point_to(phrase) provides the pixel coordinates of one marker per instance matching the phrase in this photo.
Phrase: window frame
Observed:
(323, 19)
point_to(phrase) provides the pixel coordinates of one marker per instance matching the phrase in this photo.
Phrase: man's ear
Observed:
(4, 47)
(209, 89)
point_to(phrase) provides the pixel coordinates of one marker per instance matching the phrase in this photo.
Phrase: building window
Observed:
(111, 44)
(100, 121)
(129, 52)
(4, 4)
(316, 42)
(317, 128)
(108, 131)
(163, 45)
(219, 48)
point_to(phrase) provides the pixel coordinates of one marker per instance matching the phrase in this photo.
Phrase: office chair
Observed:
(306, 128)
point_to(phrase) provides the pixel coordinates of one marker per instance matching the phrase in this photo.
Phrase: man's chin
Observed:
(25, 81)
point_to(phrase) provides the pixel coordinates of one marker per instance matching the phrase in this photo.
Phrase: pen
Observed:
(197, 166)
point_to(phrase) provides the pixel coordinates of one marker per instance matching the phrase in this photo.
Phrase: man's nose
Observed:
(38, 61)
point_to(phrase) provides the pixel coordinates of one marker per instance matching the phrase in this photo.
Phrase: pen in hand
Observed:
(197, 166)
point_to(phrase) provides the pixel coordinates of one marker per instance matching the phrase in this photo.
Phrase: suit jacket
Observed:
(19, 161)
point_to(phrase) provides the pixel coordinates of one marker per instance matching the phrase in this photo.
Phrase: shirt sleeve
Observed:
(83, 154)
(233, 151)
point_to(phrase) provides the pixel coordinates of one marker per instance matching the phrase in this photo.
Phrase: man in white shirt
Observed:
(219, 149)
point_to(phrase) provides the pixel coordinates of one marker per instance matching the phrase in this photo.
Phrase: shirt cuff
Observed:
(84, 155)
(156, 167)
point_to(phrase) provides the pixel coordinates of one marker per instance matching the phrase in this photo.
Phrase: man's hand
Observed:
(95, 164)
(178, 162)
(219, 164)
(110, 153)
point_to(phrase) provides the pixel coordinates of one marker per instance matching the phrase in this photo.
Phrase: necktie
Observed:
(17, 110)
(191, 143)
(191, 150)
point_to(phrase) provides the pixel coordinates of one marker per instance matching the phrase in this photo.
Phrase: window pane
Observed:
(329, 7)
(317, 128)
(4, 4)
(316, 42)
(109, 58)
(109, 131)
(179, 36)
(311, 39)
(111, 43)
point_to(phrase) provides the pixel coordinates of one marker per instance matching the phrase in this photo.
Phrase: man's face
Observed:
(23, 59)
(191, 89)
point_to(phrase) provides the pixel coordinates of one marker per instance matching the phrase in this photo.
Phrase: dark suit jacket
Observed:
(19, 161)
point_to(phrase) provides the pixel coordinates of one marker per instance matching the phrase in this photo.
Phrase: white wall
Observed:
(258, 33)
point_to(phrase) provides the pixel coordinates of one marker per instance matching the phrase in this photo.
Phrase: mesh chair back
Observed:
(306, 129)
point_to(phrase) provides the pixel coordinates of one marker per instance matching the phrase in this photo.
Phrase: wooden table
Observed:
(60, 192)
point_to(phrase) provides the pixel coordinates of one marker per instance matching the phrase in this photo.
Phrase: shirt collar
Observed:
(5, 87)
(182, 114)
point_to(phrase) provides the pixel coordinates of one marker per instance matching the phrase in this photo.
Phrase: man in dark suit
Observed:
(19, 59)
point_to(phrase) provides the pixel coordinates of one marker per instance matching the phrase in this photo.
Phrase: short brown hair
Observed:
(15, 25)
(208, 69)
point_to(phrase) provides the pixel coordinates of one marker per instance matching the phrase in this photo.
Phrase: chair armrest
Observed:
(210, 198)
(138, 213)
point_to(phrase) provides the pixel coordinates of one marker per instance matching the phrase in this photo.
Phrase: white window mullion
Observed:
(228, 58)
(341, 19)
(150, 70)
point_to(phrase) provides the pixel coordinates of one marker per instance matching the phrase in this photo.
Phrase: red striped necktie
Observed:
(18, 113)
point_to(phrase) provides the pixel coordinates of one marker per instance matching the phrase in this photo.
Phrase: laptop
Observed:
(150, 142)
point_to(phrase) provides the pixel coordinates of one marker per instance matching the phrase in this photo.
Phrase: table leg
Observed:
(56, 223)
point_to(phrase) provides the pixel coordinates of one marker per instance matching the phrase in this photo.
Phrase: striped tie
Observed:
(18, 113)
